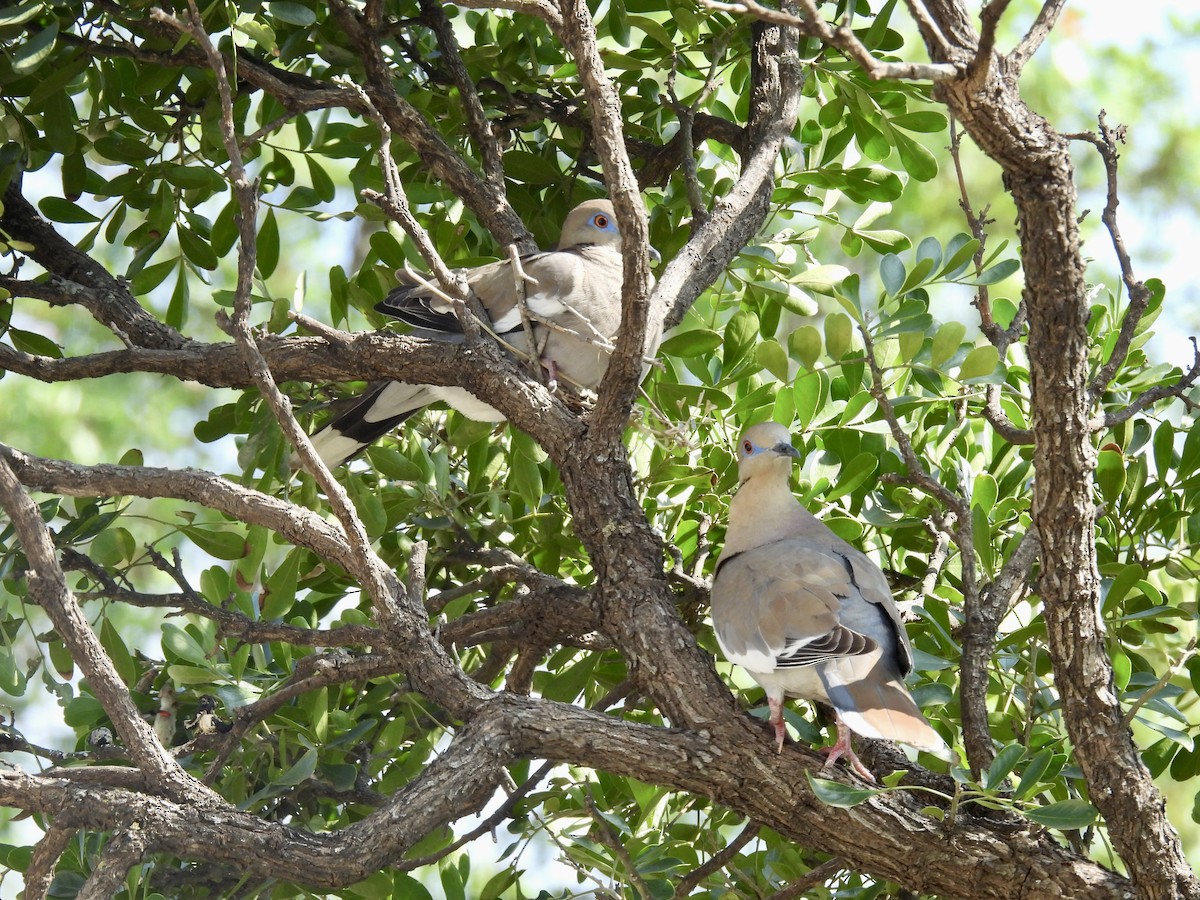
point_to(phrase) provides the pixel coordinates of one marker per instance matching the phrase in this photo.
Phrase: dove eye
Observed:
(747, 447)
(600, 221)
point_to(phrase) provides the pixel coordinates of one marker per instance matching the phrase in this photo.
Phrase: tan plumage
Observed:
(577, 287)
(808, 615)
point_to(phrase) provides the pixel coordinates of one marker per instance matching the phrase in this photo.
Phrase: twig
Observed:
(487, 825)
(40, 871)
(610, 839)
(990, 16)
(917, 473)
(1152, 396)
(520, 279)
(930, 28)
(938, 527)
(819, 875)
(983, 618)
(994, 413)
(1139, 295)
(1037, 33)
(811, 23)
(492, 162)
(1188, 652)
(687, 122)
(48, 586)
(717, 861)
(395, 202)
(310, 673)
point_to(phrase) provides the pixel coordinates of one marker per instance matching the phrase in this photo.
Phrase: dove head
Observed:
(591, 222)
(766, 447)
(594, 222)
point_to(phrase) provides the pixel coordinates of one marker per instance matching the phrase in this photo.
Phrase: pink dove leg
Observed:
(841, 748)
(776, 719)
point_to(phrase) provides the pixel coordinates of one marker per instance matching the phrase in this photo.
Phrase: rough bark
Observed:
(1039, 174)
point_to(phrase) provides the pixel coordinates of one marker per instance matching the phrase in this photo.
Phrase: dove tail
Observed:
(380, 409)
(877, 705)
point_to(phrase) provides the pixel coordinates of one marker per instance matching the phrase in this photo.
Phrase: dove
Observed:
(573, 298)
(808, 615)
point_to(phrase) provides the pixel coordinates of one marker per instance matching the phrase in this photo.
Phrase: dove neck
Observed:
(764, 510)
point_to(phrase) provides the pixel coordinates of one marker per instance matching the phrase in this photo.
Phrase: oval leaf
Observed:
(834, 793)
(1066, 815)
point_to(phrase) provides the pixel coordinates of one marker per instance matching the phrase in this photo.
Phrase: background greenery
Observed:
(865, 240)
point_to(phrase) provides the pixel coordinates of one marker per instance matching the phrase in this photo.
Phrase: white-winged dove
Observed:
(808, 615)
(573, 297)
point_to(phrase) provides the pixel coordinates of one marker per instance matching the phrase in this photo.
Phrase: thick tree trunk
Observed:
(1039, 175)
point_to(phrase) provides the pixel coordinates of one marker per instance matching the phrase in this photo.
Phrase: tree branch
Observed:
(48, 586)
(40, 872)
(82, 279)
(484, 198)
(434, 15)
(1139, 295)
(811, 24)
(124, 850)
(1036, 35)
(641, 315)
(1147, 399)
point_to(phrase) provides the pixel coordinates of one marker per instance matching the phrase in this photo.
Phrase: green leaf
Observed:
(30, 54)
(959, 253)
(998, 272)
(268, 245)
(530, 168)
(198, 251)
(36, 344)
(56, 209)
(1110, 475)
(292, 13)
(21, 13)
(884, 241)
(770, 355)
(322, 184)
(1004, 763)
(916, 159)
(910, 343)
(836, 794)
(809, 391)
(1032, 775)
(279, 591)
(805, 345)
(980, 362)
(740, 334)
(1066, 815)
(525, 473)
(219, 543)
(838, 332)
(181, 644)
(925, 121)
(853, 474)
(891, 271)
(697, 342)
(300, 771)
(946, 342)
(819, 279)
